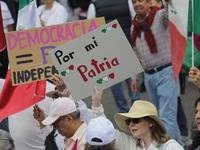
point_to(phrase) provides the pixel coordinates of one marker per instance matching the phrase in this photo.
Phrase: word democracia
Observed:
(25, 39)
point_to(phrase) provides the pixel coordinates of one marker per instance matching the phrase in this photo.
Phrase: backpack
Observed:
(50, 143)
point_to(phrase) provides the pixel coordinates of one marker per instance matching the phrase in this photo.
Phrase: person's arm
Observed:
(38, 114)
(123, 141)
(194, 75)
(134, 86)
(97, 107)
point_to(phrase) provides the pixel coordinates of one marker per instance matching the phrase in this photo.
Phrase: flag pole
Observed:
(192, 33)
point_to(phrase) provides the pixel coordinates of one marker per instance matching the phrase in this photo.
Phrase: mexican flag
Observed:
(178, 24)
(194, 21)
(192, 55)
(14, 99)
(28, 16)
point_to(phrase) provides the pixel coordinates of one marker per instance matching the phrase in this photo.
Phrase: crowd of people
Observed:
(58, 122)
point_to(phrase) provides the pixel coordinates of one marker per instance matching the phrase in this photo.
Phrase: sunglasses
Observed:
(133, 120)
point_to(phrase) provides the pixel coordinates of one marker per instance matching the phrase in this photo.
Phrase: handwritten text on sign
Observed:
(102, 57)
(28, 49)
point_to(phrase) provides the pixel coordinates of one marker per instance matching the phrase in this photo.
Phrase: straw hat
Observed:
(140, 108)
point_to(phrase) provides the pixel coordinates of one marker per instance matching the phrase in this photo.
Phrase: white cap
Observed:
(100, 128)
(59, 107)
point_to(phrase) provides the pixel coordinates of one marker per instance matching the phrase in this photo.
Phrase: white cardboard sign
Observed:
(102, 57)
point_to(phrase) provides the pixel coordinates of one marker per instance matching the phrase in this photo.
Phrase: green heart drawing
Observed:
(63, 73)
(104, 30)
(100, 81)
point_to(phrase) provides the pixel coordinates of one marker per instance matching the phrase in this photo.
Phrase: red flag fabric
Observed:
(75, 145)
(2, 35)
(14, 99)
(178, 18)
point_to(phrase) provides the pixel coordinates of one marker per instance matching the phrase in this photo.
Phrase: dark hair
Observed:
(75, 114)
(162, 6)
(110, 146)
(196, 138)
(196, 102)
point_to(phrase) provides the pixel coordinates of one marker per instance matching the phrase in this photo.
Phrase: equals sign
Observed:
(24, 56)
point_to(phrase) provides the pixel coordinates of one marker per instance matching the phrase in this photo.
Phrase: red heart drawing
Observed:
(114, 25)
(112, 75)
(71, 67)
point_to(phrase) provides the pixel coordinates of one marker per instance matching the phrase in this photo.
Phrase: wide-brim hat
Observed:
(52, 94)
(139, 109)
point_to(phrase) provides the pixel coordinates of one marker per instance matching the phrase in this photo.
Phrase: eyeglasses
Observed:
(54, 124)
(134, 120)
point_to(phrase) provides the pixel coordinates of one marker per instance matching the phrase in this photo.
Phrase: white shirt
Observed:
(57, 15)
(25, 130)
(6, 16)
(73, 13)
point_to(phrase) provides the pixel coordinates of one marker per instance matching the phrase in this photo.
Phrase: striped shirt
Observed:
(160, 31)
(6, 15)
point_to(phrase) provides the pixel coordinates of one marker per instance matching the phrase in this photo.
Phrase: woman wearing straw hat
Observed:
(142, 121)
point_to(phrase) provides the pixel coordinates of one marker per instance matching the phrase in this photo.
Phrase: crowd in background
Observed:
(52, 124)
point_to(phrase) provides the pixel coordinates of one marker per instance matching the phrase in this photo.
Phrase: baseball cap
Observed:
(59, 107)
(100, 128)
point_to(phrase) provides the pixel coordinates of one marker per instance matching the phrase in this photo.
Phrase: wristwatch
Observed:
(65, 91)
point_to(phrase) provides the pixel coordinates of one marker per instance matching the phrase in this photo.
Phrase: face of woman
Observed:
(141, 130)
(197, 116)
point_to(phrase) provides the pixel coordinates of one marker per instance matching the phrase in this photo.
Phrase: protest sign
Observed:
(102, 57)
(28, 49)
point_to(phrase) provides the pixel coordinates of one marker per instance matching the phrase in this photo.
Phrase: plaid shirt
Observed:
(160, 31)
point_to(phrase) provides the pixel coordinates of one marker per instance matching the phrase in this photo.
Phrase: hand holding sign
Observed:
(102, 57)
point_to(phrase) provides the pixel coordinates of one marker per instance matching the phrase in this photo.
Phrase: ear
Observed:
(151, 125)
(69, 118)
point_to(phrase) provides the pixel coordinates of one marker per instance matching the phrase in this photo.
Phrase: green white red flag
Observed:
(28, 16)
(178, 24)
(14, 99)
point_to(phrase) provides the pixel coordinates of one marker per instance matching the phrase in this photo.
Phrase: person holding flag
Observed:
(151, 43)
(16, 101)
(194, 75)
(6, 25)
